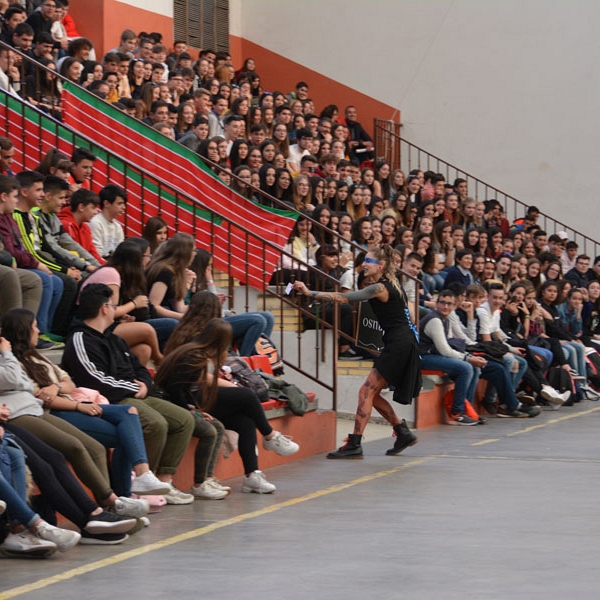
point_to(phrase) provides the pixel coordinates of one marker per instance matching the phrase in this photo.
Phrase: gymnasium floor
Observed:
(505, 510)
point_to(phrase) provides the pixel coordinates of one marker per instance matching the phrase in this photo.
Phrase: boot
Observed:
(404, 438)
(350, 450)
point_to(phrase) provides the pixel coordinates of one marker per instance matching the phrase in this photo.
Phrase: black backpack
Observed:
(562, 381)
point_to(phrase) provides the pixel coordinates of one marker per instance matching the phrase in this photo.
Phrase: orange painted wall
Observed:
(103, 21)
(279, 73)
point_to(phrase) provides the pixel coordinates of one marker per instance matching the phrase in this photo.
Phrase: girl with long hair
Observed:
(155, 232)
(283, 185)
(169, 277)
(302, 193)
(281, 139)
(42, 90)
(193, 375)
(398, 362)
(355, 205)
(239, 154)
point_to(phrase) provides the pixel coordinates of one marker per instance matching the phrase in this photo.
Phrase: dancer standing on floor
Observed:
(398, 363)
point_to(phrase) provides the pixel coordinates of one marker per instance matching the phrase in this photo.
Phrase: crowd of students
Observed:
(69, 277)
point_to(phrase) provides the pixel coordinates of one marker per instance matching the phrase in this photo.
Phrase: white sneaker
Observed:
(208, 492)
(2, 507)
(552, 396)
(257, 483)
(63, 538)
(218, 485)
(131, 507)
(281, 444)
(147, 484)
(176, 496)
(26, 543)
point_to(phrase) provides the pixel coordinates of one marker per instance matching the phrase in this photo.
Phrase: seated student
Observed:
(155, 232)
(75, 218)
(52, 287)
(459, 365)
(82, 169)
(60, 491)
(412, 266)
(115, 427)
(30, 535)
(169, 277)
(197, 366)
(489, 329)
(86, 455)
(55, 240)
(99, 359)
(31, 194)
(107, 232)
(461, 271)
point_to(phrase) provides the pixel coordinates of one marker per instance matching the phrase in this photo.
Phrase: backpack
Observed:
(562, 381)
(264, 346)
(243, 375)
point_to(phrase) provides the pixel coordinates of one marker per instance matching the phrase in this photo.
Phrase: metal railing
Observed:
(404, 155)
(34, 132)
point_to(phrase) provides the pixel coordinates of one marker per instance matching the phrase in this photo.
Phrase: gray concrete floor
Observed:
(505, 510)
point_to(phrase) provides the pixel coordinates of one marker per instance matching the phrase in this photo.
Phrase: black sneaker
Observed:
(102, 539)
(109, 522)
(349, 355)
(461, 420)
(531, 410)
(504, 413)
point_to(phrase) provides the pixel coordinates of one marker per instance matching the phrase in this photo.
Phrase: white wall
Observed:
(161, 7)
(506, 90)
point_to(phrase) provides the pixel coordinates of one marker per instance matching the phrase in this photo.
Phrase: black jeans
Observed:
(239, 409)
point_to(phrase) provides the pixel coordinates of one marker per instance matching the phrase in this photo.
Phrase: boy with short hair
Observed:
(83, 205)
(107, 233)
(82, 169)
(55, 240)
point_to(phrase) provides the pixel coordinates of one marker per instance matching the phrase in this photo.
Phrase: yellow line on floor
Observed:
(484, 442)
(182, 537)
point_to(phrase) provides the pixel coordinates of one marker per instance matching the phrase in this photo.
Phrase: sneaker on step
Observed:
(109, 522)
(257, 483)
(131, 507)
(176, 496)
(25, 543)
(281, 444)
(349, 355)
(63, 538)
(102, 539)
(147, 484)
(462, 419)
(207, 491)
(218, 485)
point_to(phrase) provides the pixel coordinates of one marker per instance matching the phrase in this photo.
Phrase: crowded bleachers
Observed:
(140, 319)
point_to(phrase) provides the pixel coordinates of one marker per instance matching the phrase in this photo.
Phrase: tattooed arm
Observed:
(377, 290)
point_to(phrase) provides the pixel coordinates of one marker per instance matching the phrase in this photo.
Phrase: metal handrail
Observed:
(402, 154)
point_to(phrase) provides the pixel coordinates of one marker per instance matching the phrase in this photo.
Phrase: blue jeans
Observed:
(52, 289)
(509, 360)
(464, 375)
(249, 327)
(544, 352)
(14, 495)
(118, 429)
(497, 374)
(164, 327)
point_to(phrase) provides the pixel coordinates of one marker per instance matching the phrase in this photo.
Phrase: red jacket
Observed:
(82, 234)
(9, 234)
